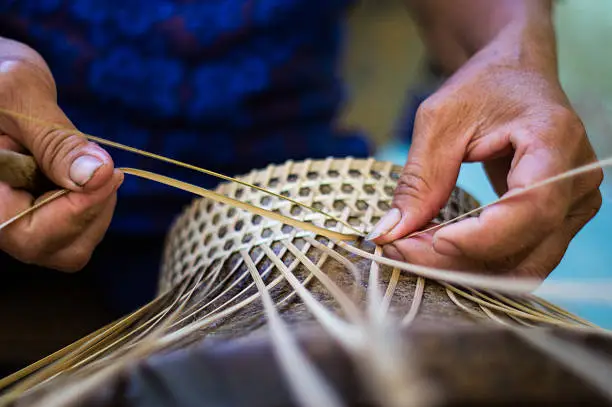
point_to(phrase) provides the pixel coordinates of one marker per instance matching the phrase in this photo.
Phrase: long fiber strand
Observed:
(309, 386)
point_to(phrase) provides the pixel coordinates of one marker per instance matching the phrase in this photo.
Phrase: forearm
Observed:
(454, 31)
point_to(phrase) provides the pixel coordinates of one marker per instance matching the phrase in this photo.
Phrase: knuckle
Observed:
(566, 118)
(597, 178)
(25, 63)
(55, 145)
(551, 217)
(428, 109)
(594, 205)
(412, 184)
(549, 213)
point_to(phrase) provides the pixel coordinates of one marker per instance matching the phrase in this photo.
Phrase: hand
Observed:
(504, 108)
(63, 233)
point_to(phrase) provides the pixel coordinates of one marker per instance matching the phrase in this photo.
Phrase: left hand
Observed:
(514, 118)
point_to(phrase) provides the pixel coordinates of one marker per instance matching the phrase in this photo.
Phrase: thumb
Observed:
(64, 155)
(424, 186)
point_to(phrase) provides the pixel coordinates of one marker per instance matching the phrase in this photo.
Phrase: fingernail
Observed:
(446, 248)
(83, 169)
(385, 224)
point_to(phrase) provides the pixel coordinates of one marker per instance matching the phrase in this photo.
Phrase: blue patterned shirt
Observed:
(229, 85)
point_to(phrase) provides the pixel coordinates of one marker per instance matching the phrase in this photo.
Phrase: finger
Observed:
(7, 143)
(419, 250)
(75, 254)
(511, 226)
(51, 226)
(64, 154)
(546, 257)
(426, 182)
(585, 184)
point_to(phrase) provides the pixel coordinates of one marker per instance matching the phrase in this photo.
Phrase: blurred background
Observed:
(385, 70)
(386, 75)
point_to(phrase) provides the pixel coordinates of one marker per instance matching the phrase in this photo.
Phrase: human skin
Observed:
(63, 233)
(503, 106)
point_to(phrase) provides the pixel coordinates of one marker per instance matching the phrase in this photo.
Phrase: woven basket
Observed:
(358, 191)
(217, 344)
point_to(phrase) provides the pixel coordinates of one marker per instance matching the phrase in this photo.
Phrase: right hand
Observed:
(62, 234)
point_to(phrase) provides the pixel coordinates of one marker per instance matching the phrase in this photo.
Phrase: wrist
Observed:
(513, 29)
(528, 44)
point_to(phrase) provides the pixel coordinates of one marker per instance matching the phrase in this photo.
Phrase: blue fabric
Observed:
(229, 85)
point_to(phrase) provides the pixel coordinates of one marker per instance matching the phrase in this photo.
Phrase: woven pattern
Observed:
(357, 191)
(221, 264)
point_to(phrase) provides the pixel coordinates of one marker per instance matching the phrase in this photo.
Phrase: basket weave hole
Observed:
(354, 220)
(183, 269)
(239, 193)
(222, 232)
(354, 173)
(265, 200)
(239, 225)
(287, 229)
(375, 174)
(273, 182)
(277, 247)
(247, 238)
(312, 175)
(200, 269)
(267, 232)
(455, 208)
(292, 177)
(330, 223)
(362, 205)
(389, 190)
(333, 173)
(369, 189)
(322, 240)
(288, 258)
(305, 191)
(346, 188)
(207, 238)
(228, 245)
(256, 220)
(325, 189)
(212, 251)
(339, 205)
(295, 210)
(215, 219)
(383, 205)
